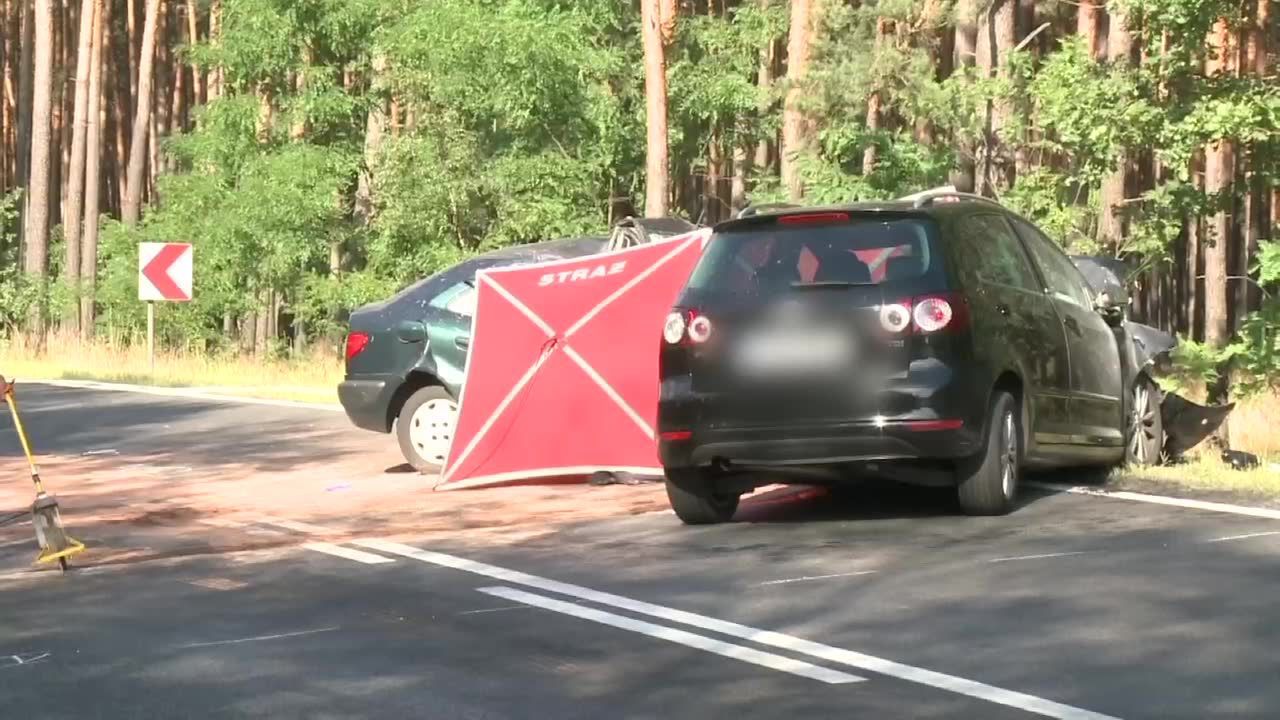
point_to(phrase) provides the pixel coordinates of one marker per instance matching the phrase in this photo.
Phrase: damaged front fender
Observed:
(1187, 424)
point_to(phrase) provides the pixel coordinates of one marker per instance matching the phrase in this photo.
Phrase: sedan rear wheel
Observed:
(1145, 431)
(696, 500)
(425, 428)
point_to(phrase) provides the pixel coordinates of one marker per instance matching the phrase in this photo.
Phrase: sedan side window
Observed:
(988, 245)
(459, 299)
(1065, 281)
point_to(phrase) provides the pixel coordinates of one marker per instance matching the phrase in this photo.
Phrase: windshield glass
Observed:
(774, 259)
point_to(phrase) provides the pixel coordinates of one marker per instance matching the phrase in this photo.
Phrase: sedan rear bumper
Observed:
(367, 400)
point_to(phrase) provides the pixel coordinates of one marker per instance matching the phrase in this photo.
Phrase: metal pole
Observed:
(151, 336)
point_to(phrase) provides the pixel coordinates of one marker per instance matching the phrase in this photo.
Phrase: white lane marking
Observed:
(295, 526)
(186, 394)
(807, 578)
(493, 610)
(348, 553)
(258, 638)
(1244, 537)
(106, 451)
(15, 543)
(680, 637)
(15, 660)
(1267, 513)
(1036, 557)
(959, 685)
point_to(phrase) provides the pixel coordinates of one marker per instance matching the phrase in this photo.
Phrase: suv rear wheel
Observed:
(989, 480)
(695, 500)
(425, 427)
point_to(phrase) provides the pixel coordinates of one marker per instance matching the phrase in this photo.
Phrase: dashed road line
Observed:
(504, 608)
(258, 638)
(1246, 536)
(361, 556)
(680, 637)
(1044, 556)
(851, 658)
(807, 578)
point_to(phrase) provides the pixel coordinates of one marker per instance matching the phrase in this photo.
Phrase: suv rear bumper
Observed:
(830, 444)
(367, 399)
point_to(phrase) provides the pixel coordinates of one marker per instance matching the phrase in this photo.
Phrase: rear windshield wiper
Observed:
(832, 284)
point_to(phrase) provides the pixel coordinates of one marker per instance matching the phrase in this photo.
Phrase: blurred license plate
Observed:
(794, 351)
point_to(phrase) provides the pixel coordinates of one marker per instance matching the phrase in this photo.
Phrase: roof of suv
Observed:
(930, 204)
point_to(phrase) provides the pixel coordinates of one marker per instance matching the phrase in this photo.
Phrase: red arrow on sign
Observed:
(157, 271)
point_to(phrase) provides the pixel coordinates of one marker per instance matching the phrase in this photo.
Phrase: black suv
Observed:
(937, 340)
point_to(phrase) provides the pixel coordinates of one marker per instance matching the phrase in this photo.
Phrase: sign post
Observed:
(164, 275)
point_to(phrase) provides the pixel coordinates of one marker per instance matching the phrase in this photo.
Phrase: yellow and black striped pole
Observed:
(54, 542)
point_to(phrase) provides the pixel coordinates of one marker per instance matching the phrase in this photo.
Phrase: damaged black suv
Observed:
(938, 340)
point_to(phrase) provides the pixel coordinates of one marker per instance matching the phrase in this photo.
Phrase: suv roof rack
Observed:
(751, 210)
(927, 197)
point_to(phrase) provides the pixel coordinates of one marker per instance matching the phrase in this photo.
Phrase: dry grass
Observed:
(311, 379)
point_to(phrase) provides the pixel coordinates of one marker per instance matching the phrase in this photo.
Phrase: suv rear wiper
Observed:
(831, 284)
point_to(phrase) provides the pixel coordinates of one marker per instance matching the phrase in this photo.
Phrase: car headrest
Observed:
(842, 266)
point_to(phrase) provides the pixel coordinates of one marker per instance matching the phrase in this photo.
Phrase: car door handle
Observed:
(462, 341)
(1072, 325)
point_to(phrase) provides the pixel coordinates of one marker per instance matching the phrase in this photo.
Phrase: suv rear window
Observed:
(773, 259)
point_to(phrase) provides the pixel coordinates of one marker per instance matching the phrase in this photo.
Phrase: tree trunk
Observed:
(26, 48)
(764, 81)
(655, 85)
(1219, 174)
(996, 39)
(121, 104)
(1087, 25)
(1256, 225)
(215, 36)
(741, 169)
(964, 176)
(36, 235)
(884, 27)
(797, 127)
(93, 151)
(132, 210)
(667, 18)
(193, 38)
(72, 221)
(374, 131)
(1111, 227)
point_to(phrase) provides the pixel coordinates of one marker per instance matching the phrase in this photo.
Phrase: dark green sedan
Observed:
(406, 356)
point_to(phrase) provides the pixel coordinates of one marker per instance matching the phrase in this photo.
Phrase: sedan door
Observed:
(1097, 385)
(449, 333)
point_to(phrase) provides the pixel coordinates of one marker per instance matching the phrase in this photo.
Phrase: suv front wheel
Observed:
(696, 501)
(988, 481)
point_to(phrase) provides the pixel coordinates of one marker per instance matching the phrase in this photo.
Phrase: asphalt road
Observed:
(881, 604)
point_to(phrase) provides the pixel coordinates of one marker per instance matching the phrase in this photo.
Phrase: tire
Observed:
(425, 427)
(988, 481)
(1144, 429)
(695, 502)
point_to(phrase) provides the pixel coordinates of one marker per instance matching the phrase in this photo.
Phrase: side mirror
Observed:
(1110, 307)
(411, 331)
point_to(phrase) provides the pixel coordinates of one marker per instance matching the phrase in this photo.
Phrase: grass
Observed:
(309, 379)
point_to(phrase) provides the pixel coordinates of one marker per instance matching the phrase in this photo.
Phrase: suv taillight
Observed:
(686, 327)
(356, 343)
(926, 314)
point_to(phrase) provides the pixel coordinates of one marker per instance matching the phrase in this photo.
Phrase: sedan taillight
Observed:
(356, 343)
(686, 327)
